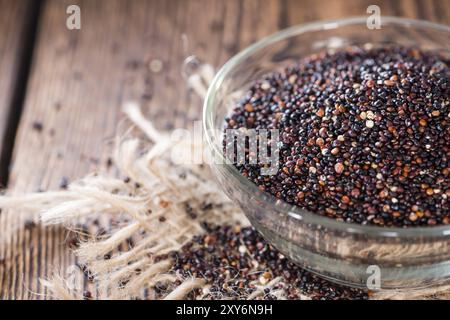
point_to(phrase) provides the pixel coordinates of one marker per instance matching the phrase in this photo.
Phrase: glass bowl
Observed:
(356, 255)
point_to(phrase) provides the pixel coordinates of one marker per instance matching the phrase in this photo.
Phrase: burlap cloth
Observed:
(146, 218)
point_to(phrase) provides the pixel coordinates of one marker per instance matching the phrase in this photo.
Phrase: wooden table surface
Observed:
(61, 90)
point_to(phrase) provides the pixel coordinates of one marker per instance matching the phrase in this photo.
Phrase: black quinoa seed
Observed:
(87, 295)
(232, 259)
(38, 126)
(364, 135)
(109, 162)
(64, 183)
(29, 224)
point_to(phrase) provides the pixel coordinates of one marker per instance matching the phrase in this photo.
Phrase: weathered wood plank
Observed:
(16, 34)
(17, 24)
(77, 85)
(80, 79)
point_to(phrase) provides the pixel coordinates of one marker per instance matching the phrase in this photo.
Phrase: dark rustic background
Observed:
(61, 90)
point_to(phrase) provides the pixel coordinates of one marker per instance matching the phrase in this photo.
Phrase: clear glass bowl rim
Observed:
(293, 211)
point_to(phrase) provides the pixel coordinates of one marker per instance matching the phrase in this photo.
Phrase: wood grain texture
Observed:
(16, 18)
(80, 79)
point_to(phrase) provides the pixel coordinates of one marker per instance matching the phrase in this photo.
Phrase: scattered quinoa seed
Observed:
(38, 126)
(87, 295)
(239, 260)
(29, 224)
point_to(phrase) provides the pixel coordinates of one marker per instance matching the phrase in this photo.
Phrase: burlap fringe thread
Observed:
(159, 190)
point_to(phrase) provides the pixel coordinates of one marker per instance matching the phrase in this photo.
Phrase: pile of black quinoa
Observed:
(234, 260)
(364, 135)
